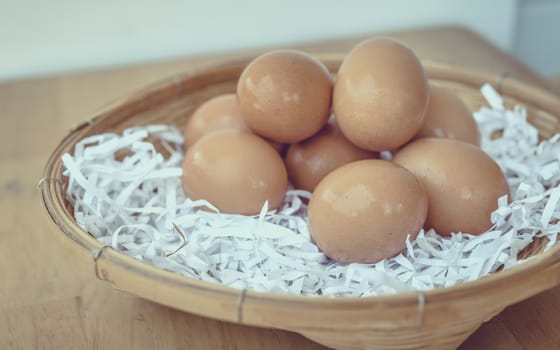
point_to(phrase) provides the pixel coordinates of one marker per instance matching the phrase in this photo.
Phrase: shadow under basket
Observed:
(440, 318)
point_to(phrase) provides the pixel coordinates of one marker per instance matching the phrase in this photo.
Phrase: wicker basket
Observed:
(440, 318)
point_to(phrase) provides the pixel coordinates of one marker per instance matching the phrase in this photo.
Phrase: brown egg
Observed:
(218, 113)
(285, 96)
(447, 116)
(363, 211)
(309, 161)
(236, 171)
(463, 183)
(380, 95)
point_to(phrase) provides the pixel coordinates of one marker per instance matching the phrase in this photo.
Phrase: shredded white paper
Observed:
(137, 206)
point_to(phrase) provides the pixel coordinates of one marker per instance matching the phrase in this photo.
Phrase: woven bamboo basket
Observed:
(436, 319)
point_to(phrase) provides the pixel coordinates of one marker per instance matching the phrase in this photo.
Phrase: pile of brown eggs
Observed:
(362, 207)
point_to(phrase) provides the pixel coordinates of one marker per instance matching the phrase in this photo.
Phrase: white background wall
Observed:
(537, 41)
(48, 36)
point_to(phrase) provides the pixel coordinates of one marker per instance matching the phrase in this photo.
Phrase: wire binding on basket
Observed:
(500, 81)
(421, 308)
(49, 179)
(239, 305)
(96, 257)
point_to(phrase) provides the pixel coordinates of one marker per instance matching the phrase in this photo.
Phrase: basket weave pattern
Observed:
(441, 318)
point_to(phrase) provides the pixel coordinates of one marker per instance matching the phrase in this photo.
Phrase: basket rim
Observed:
(51, 197)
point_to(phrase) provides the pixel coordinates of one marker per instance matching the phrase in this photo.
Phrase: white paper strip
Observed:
(136, 205)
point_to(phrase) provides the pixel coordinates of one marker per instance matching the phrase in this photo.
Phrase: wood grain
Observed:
(49, 300)
(49, 325)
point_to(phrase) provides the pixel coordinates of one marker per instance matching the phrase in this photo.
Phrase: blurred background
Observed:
(45, 37)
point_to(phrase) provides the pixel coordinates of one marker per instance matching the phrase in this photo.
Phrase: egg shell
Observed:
(363, 211)
(309, 161)
(218, 113)
(448, 116)
(380, 95)
(236, 171)
(463, 183)
(285, 95)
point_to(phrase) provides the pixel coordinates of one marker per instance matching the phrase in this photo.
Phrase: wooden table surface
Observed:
(51, 300)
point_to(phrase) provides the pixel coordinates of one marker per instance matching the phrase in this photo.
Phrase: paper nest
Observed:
(137, 206)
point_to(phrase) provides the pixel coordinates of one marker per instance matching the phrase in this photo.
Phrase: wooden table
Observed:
(50, 300)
